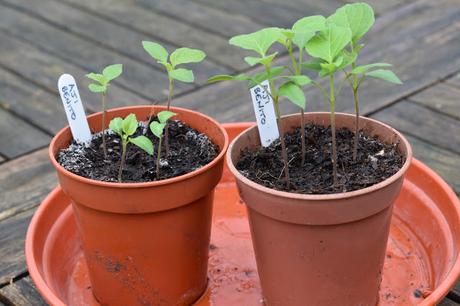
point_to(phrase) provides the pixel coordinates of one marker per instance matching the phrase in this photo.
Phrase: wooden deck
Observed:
(42, 39)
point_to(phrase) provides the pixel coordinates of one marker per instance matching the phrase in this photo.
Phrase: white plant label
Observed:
(265, 113)
(74, 108)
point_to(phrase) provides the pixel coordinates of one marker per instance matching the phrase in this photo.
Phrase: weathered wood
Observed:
(137, 77)
(24, 182)
(448, 302)
(111, 35)
(426, 124)
(17, 137)
(454, 81)
(22, 293)
(442, 98)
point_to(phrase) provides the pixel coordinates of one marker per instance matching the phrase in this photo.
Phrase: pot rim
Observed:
(322, 197)
(131, 185)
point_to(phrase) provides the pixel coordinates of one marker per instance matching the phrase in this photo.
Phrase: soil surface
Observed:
(375, 162)
(188, 151)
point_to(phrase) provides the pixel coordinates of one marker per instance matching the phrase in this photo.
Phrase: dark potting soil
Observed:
(188, 151)
(375, 162)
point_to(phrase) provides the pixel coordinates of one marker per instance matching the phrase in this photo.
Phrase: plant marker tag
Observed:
(265, 113)
(74, 108)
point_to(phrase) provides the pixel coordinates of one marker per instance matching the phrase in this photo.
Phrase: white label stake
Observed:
(74, 108)
(265, 113)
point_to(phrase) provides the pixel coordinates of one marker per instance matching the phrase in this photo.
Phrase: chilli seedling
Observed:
(157, 128)
(103, 81)
(125, 128)
(170, 62)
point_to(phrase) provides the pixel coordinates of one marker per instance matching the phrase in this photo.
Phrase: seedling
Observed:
(103, 81)
(170, 62)
(359, 18)
(157, 128)
(125, 128)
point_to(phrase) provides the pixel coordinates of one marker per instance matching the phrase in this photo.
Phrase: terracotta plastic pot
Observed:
(146, 243)
(320, 249)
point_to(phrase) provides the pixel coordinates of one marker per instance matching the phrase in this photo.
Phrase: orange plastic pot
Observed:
(320, 249)
(146, 243)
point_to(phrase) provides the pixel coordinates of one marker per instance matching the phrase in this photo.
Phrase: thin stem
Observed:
(334, 144)
(104, 113)
(302, 114)
(170, 94)
(356, 140)
(158, 159)
(123, 157)
(293, 61)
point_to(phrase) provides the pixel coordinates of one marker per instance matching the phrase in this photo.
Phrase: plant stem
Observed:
(334, 144)
(104, 112)
(158, 158)
(171, 90)
(302, 114)
(356, 140)
(123, 157)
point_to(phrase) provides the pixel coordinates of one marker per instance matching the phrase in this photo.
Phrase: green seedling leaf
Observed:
(129, 125)
(156, 51)
(251, 61)
(310, 24)
(112, 72)
(97, 88)
(181, 74)
(157, 128)
(164, 116)
(186, 55)
(383, 74)
(226, 77)
(365, 68)
(314, 64)
(294, 93)
(300, 80)
(101, 79)
(116, 125)
(329, 43)
(300, 39)
(144, 143)
(358, 17)
(259, 41)
(348, 58)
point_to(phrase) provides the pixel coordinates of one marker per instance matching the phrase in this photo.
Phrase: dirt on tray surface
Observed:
(188, 151)
(375, 162)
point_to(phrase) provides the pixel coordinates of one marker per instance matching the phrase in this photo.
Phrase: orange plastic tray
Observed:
(421, 266)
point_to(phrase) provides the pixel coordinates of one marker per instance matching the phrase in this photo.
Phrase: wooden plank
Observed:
(419, 121)
(137, 77)
(43, 69)
(24, 182)
(155, 26)
(18, 137)
(454, 81)
(441, 97)
(113, 36)
(22, 293)
(448, 302)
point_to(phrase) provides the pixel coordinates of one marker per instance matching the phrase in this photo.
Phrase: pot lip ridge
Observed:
(176, 179)
(322, 197)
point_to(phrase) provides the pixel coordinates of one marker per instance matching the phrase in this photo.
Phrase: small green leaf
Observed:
(348, 58)
(314, 64)
(226, 77)
(259, 41)
(157, 128)
(300, 80)
(251, 60)
(116, 125)
(164, 116)
(262, 76)
(181, 74)
(129, 125)
(328, 44)
(97, 88)
(266, 60)
(101, 79)
(144, 143)
(113, 71)
(383, 74)
(294, 93)
(156, 51)
(186, 55)
(300, 39)
(365, 68)
(310, 24)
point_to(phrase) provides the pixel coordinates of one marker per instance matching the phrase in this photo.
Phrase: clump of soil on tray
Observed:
(188, 151)
(375, 162)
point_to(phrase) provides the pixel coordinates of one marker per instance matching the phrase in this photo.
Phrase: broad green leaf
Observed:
(358, 17)
(97, 88)
(300, 80)
(314, 64)
(116, 125)
(328, 44)
(226, 77)
(383, 74)
(164, 116)
(186, 55)
(329, 68)
(98, 78)
(113, 71)
(129, 124)
(300, 39)
(294, 93)
(348, 58)
(156, 51)
(262, 76)
(365, 68)
(259, 41)
(157, 128)
(310, 24)
(260, 60)
(144, 143)
(181, 74)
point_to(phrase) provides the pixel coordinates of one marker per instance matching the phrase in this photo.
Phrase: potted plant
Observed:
(319, 214)
(143, 204)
